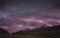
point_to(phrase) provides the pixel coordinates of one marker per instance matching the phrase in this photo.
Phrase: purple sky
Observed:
(29, 14)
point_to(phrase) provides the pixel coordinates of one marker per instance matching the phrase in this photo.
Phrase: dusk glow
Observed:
(17, 16)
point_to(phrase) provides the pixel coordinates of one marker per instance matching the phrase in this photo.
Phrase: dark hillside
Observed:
(52, 32)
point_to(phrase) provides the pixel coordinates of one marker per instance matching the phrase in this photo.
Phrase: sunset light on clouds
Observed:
(24, 15)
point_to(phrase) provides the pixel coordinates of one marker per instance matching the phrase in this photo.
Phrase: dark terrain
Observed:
(49, 32)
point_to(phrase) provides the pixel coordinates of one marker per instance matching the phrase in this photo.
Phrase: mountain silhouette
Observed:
(42, 32)
(2, 31)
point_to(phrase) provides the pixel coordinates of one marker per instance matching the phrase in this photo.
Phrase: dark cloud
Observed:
(24, 8)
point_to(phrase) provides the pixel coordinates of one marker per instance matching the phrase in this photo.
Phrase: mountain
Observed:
(2, 32)
(42, 32)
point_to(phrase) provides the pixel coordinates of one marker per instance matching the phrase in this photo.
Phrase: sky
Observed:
(16, 15)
